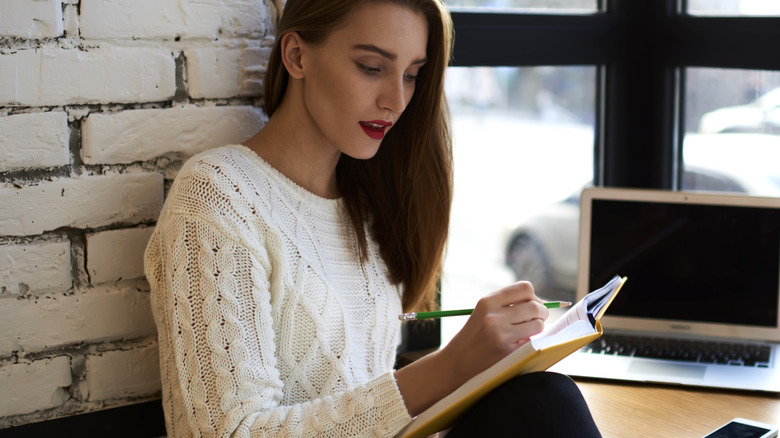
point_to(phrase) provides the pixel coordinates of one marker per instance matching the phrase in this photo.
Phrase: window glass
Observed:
(733, 7)
(528, 5)
(732, 139)
(523, 142)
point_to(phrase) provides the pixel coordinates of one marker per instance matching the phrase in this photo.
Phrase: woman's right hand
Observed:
(501, 323)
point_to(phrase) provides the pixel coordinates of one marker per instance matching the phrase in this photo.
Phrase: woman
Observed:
(279, 267)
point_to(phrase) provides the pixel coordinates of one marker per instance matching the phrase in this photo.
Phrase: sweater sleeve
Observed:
(212, 305)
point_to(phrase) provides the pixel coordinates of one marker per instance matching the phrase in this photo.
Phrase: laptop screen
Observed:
(688, 261)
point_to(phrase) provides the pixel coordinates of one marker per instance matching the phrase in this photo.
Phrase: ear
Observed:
(292, 49)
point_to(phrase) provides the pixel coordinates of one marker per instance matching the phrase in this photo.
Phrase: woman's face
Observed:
(360, 79)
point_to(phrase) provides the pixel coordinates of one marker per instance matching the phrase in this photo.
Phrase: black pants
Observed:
(532, 405)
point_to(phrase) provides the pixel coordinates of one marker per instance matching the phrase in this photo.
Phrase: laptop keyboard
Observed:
(726, 353)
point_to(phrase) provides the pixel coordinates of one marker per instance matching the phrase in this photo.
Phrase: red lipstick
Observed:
(375, 128)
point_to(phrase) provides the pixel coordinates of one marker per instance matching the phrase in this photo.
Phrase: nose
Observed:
(395, 95)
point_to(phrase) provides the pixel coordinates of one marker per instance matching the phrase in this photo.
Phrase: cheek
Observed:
(325, 97)
(340, 90)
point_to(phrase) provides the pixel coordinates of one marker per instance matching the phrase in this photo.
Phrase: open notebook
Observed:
(705, 286)
(575, 328)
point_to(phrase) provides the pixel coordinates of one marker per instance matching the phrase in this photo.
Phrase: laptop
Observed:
(701, 306)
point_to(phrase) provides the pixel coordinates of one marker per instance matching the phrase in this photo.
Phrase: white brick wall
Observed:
(54, 321)
(125, 373)
(111, 74)
(100, 102)
(80, 202)
(143, 19)
(35, 268)
(34, 385)
(139, 135)
(234, 68)
(116, 254)
(34, 140)
(31, 18)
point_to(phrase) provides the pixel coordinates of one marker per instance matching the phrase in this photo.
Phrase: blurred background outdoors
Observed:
(524, 149)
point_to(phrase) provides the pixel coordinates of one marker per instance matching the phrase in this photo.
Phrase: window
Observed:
(732, 131)
(523, 141)
(524, 136)
(655, 68)
(528, 5)
(733, 7)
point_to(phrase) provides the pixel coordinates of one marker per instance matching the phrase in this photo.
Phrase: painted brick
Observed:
(123, 373)
(93, 58)
(36, 140)
(31, 18)
(41, 323)
(55, 76)
(35, 268)
(253, 18)
(81, 202)
(32, 386)
(147, 19)
(70, 18)
(139, 135)
(214, 72)
(117, 254)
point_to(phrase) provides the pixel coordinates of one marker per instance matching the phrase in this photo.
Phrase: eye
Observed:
(413, 74)
(411, 78)
(366, 69)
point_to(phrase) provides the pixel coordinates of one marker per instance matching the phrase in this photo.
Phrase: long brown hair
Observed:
(404, 192)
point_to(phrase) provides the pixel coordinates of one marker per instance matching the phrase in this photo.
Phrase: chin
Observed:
(363, 153)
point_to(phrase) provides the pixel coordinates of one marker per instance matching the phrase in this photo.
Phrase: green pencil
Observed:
(413, 316)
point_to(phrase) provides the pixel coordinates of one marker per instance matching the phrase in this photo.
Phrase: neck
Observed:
(296, 153)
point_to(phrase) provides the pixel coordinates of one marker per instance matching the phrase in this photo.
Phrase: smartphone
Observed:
(742, 428)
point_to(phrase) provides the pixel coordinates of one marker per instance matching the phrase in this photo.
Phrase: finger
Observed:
(519, 292)
(522, 321)
(519, 313)
(523, 331)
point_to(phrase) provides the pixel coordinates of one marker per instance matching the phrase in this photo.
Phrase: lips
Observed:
(375, 129)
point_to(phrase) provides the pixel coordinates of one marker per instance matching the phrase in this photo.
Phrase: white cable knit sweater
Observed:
(268, 325)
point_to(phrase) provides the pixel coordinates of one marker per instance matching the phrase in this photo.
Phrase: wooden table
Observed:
(627, 410)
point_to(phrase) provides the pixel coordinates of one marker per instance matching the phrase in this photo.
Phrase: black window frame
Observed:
(641, 49)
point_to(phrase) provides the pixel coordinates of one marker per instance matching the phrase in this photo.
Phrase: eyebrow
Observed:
(385, 53)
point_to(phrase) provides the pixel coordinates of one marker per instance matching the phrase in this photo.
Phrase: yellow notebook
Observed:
(573, 330)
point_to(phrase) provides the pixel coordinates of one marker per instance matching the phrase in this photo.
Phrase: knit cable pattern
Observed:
(268, 324)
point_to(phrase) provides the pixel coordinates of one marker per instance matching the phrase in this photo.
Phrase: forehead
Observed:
(399, 30)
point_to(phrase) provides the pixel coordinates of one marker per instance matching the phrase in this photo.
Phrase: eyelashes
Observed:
(367, 69)
(375, 71)
(412, 78)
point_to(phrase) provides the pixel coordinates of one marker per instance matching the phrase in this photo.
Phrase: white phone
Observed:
(743, 428)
